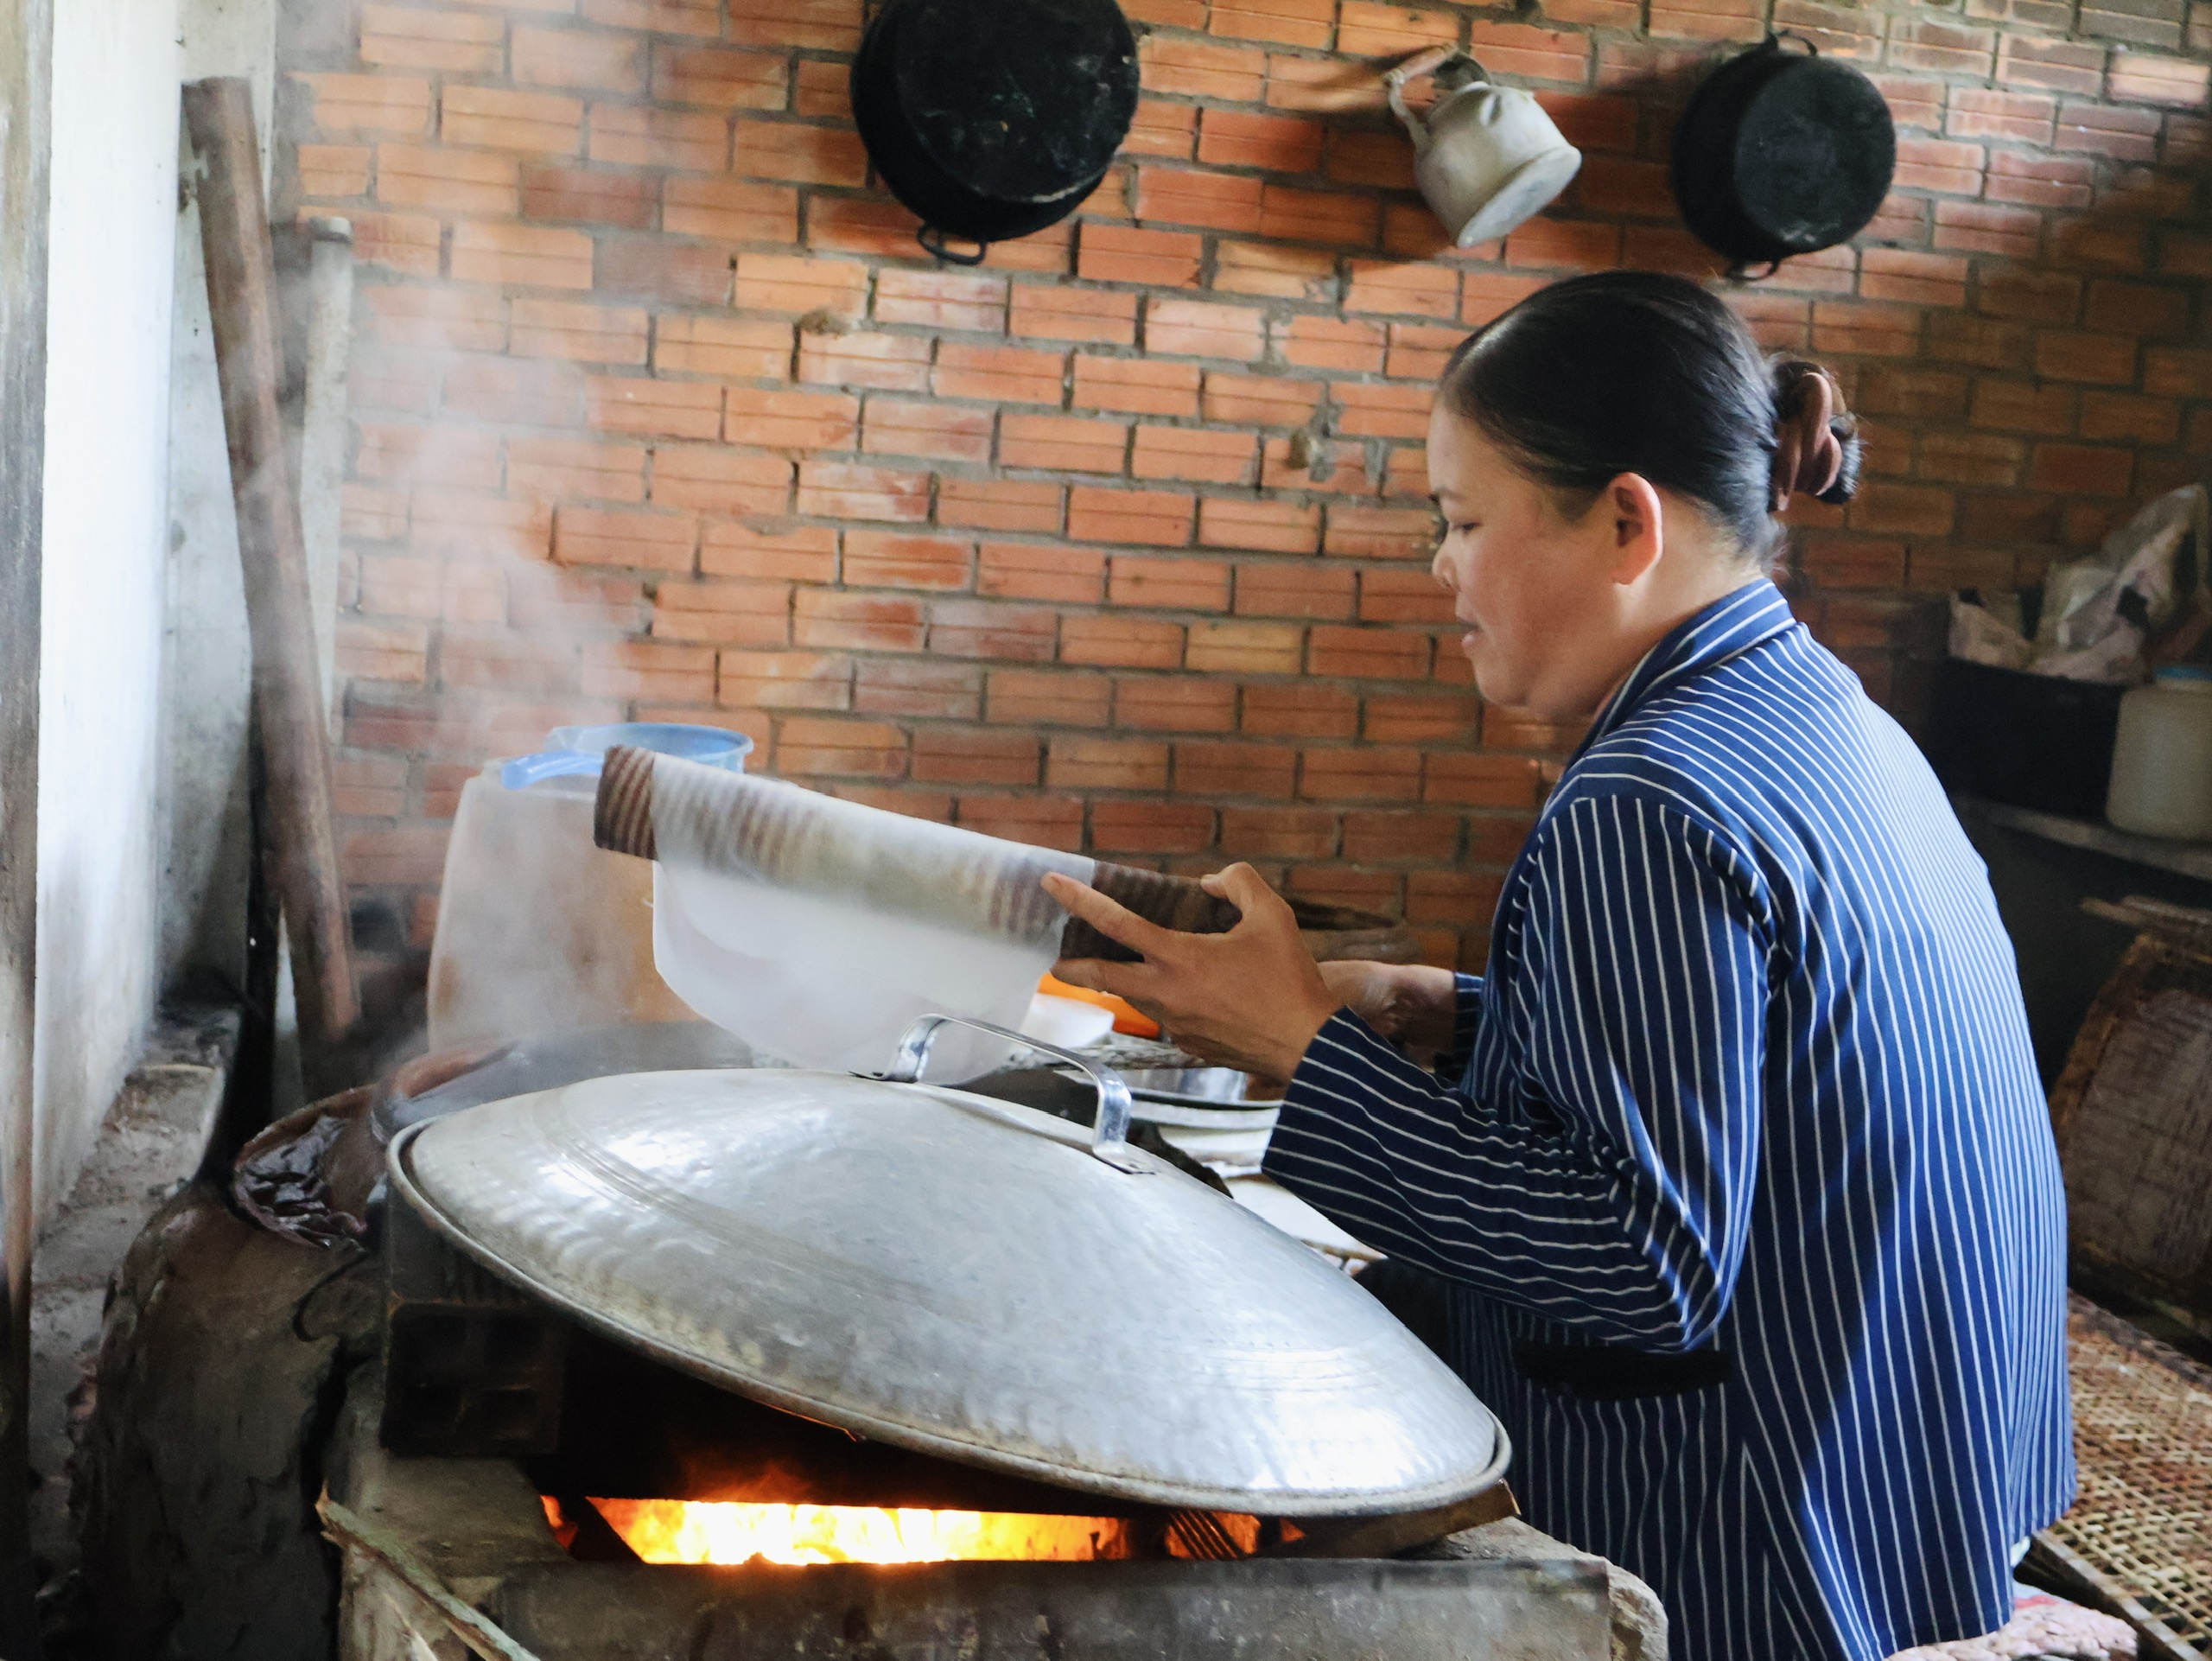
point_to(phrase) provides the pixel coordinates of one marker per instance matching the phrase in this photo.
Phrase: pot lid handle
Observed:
(1109, 1131)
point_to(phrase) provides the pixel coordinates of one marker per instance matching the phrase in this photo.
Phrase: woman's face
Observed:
(1538, 590)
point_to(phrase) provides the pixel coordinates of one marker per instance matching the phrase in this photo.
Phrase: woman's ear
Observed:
(1638, 525)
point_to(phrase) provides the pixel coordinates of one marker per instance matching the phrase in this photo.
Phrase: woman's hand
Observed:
(1252, 998)
(1410, 1003)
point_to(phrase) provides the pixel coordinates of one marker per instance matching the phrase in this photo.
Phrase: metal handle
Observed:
(1109, 1131)
(933, 239)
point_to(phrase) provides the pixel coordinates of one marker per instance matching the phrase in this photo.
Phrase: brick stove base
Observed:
(1501, 1592)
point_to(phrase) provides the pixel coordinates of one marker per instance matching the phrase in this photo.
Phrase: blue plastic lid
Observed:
(2183, 673)
(580, 751)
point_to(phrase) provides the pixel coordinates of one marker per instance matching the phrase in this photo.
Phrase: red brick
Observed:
(1121, 642)
(396, 104)
(999, 505)
(552, 467)
(672, 408)
(1294, 590)
(795, 286)
(1369, 654)
(1369, 411)
(1042, 571)
(820, 25)
(1199, 69)
(616, 198)
(657, 542)
(1970, 458)
(1381, 532)
(1262, 268)
(1519, 49)
(1158, 518)
(447, 181)
(1574, 244)
(455, 43)
(792, 420)
(2105, 359)
(983, 629)
(2040, 180)
(1047, 697)
(1150, 828)
(1121, 253)
(943, 432)
(1219, 201)
(1052, 311)
(730, 210)
(1135, 386)
(1072, 443)
(1250, 140)
(1293, 22)
(783, 680)
(2137, 309)
(1334, 218)
(827, 620)
(985, 758)
(535, 123)
(2024, 407)
(1369, 773)
(719, 80)
(631, 669)
(1278, 832)
(1381, 159)
(1301, 709)
(896, 363)
(1480, 781)
(2021, 117)
(1168, 584)
(1073, 762)
(1194, 454)
(1325, 343)
(1321, 86)
(973, 301)
(669, 273)
(1041, 821)
(1259, 526)
(1261, 770)
(1915, 278)
(802, 553)
(845, 490)
(1912, 510)
(1008, 375)
(2059, 66)
(803, 152)
(1174, 703)
(2128, 418)
(585, 59)
(1162, 129)
(2080, 469)
(811, 747)
(740, 348)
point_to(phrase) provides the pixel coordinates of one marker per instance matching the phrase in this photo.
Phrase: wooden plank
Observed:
(272, 550)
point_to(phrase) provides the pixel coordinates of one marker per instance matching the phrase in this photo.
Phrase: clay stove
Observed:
(545, 1466)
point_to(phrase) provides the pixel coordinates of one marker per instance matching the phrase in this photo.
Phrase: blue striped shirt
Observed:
(1748, 1075)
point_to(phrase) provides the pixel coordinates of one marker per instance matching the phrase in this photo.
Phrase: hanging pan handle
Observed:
(1109, 1131)
(933, 239)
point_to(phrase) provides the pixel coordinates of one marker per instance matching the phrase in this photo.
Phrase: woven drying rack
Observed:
(2133, 1113)
(2138, 1540)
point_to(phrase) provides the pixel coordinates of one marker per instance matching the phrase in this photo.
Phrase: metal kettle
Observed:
(1488, 157)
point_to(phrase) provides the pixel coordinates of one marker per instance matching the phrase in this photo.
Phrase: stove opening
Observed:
(737, 1531)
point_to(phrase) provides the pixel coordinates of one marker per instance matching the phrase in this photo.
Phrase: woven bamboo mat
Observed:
(2140, 1534)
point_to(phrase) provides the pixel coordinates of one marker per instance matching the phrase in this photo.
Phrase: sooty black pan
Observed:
(994, 118)
(1780, 153)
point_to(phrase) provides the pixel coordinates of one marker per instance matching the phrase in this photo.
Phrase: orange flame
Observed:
(697, 1531)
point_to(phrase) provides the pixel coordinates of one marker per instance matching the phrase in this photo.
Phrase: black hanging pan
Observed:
(1782, 152)
(994, 118)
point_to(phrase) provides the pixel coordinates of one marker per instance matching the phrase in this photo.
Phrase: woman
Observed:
(1735, 1162)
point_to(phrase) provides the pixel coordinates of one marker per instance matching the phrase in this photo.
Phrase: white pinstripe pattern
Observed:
(1749, 1068)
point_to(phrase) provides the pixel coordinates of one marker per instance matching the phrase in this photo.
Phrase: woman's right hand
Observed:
(1412, 1004)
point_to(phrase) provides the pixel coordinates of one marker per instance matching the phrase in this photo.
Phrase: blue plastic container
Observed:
(571, 751)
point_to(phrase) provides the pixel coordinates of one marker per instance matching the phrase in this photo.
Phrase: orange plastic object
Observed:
(1126, 1016)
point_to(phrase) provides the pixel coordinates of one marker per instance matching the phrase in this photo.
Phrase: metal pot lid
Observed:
(960, 1275)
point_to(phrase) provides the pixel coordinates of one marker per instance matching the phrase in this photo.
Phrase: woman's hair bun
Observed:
(1816, 448)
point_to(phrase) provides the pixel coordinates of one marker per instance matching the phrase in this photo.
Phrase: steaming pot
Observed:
(961, 1277)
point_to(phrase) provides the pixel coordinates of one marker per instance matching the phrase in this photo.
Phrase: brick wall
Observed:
(1118, 543)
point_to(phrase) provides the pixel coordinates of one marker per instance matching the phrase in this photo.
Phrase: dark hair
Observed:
(1635, 372)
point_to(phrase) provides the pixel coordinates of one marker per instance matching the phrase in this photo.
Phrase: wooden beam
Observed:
(272, 549)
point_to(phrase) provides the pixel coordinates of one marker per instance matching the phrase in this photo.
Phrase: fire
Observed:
(688, 1531)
